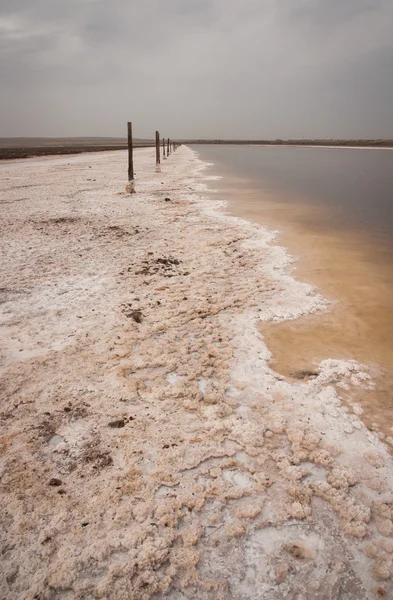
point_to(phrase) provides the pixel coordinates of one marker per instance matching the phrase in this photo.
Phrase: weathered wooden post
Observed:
(167, 150)
(158, 161)
(163, 148)
(130, 187)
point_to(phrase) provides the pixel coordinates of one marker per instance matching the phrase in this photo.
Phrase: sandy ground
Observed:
(147, 448)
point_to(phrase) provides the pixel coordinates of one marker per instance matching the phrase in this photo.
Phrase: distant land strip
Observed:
(12, 148)
(379, 143)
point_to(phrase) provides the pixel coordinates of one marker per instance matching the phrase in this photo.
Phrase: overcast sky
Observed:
(197, 68)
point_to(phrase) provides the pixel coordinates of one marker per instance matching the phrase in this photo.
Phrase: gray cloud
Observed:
(214, 68)
(327, 14)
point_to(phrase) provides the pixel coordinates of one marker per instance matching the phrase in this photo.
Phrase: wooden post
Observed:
(167, 150)
(158, 161)
(163, 148)
(130, 187)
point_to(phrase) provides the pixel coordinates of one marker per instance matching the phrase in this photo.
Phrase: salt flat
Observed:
(147, 448)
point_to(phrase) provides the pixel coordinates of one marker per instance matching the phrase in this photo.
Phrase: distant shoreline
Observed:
(15, 148)
(335, 147)
(297, 143)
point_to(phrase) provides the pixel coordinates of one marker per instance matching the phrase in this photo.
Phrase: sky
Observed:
(197, 68)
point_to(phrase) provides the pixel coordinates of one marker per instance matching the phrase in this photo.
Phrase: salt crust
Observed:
(147, 448)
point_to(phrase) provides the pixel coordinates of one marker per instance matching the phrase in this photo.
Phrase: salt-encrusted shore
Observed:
(147, 448)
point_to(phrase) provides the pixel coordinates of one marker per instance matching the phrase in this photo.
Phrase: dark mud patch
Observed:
(99, 459)
(130, 313)
(165, 266)
(76, 411)
(55, 482)
(56, 224)
(117, 424)
(62, 221)
(47, 429)
(304, 375)
(119, 232)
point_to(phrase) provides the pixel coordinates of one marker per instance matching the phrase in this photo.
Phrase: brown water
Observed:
(334, 211)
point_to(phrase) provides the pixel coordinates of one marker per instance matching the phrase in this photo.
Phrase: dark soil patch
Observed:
(118, 424)
(297, 551)
(62, 220)
(167, 261)
(304, 374)
(54, 482)
(166, 266)
(130, 313)
(98, 458)
(47, 429)
(119, 232)
(76, 412)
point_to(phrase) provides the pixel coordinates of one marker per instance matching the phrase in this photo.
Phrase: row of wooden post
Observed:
(166, 147)
(170, 146)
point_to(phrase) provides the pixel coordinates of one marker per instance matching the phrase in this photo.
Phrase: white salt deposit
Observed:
(148, 449)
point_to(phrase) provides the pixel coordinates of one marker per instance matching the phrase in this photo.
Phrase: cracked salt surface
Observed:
(221, 479)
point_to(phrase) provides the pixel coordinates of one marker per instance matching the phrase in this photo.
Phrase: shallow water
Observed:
(353, 186)
(333, 209)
